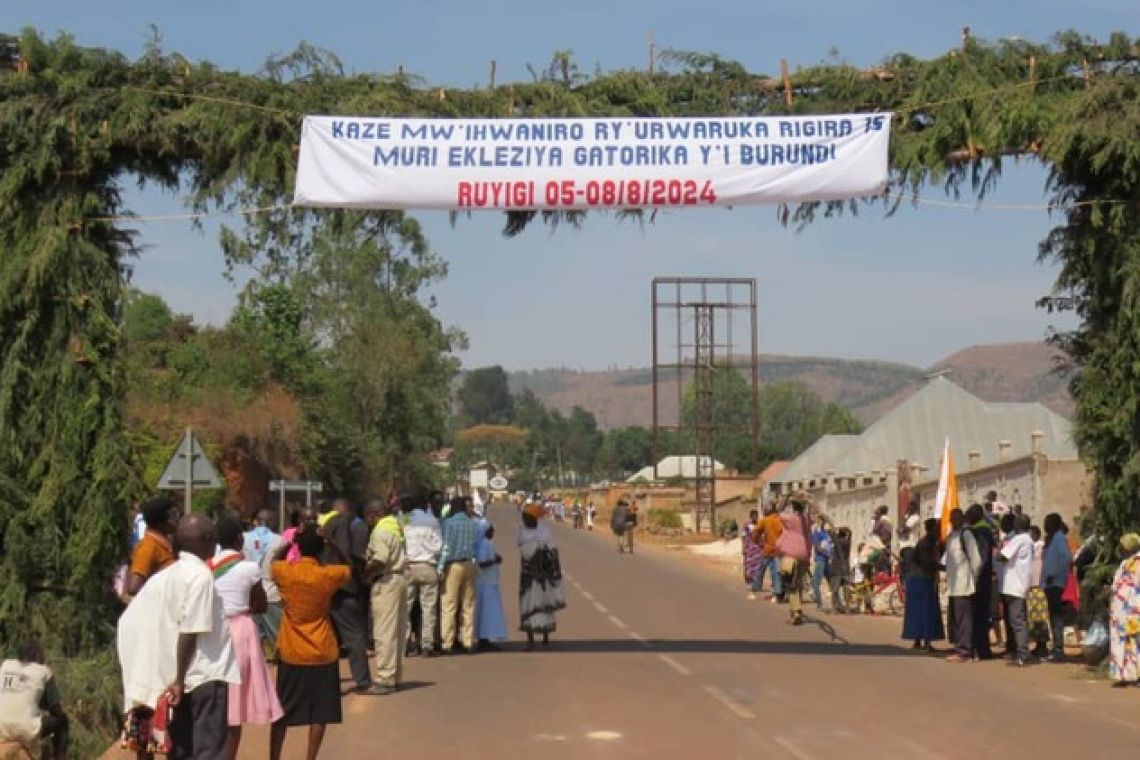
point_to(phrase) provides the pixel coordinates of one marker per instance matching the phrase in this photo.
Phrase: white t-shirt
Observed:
(22, 686)
(1016, 570)
(178, 599)
(912, 529)
(234, 586)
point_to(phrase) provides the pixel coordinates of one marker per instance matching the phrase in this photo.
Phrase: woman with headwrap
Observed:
(540, 582)
(1124, 615)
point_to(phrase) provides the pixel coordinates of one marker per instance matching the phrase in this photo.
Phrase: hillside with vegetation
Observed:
(999, 372)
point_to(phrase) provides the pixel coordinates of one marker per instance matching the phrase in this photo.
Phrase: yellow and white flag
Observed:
(947, 499)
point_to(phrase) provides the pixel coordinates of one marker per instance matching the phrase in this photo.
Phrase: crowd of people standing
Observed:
(228, 625)
(1007, 582)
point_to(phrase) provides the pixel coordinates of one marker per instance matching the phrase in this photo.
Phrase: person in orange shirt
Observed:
(155, 551)
(766, 532)
(308, 680)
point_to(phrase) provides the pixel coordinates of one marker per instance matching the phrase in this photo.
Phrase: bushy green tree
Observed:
(625, 450)
(146, 317)
(485, 397)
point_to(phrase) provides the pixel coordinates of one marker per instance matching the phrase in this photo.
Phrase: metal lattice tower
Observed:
(698, 299)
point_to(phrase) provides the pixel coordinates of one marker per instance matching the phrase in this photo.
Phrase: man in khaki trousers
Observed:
(423, 542)
(457, 573)
(385, 566)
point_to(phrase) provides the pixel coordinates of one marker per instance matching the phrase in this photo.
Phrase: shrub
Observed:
(664, 518)
(92, 694)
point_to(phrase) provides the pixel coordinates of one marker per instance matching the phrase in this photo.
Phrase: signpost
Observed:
(498, 483)
(309, 487)
(189, 468)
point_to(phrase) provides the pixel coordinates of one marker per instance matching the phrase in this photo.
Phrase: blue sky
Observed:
(911, 288)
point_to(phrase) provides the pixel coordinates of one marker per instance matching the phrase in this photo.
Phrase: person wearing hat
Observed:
(540, 580)
(1124, 615)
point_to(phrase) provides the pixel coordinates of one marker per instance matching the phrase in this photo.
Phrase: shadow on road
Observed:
(405, 686)
(719, 646)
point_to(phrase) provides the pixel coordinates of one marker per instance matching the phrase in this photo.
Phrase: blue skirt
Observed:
(490, 622)
(923, 618)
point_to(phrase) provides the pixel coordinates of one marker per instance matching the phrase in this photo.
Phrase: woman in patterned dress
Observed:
(540, 580)
(749, 548)
(1124, 619)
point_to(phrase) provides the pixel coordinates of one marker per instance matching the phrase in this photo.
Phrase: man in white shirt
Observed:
(1015, 569)
(173, 639)
(30, 706)
(423, 541)
(962, 565)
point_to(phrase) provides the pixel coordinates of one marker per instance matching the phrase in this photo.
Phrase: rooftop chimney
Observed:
(1003, 449)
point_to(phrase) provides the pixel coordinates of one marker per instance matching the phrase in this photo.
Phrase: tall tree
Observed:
(625, 450)
(793, 417)
(485, 397)
(582, 442)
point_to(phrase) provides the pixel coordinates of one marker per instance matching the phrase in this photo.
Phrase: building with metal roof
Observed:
(1020, 450)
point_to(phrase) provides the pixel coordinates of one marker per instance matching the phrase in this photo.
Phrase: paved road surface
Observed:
(657, 658)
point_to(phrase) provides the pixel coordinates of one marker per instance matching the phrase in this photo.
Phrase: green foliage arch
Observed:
(77, 123)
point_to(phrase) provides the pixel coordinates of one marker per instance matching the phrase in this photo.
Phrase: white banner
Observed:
(543, 164)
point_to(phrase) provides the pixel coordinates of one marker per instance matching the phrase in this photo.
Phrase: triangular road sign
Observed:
(189, 463)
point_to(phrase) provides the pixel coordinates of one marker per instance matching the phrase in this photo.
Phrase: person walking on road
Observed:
(963, 563)
(308, 679)
(922, 619)
(349, 534)
(591, 515)
(622, 523)
(794, 549)
(1124, 619)
(384, 568)
(767, 533)
(490, 622)
(540, 581)
(457, 572)
(423, 542)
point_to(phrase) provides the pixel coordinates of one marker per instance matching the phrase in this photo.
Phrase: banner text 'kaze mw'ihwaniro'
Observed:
(547, 164)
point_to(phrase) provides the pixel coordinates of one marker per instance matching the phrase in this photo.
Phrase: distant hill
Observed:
(999, 372)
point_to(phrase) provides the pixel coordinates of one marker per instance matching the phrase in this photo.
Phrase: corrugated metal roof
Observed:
(671, 467)
(917, 428)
